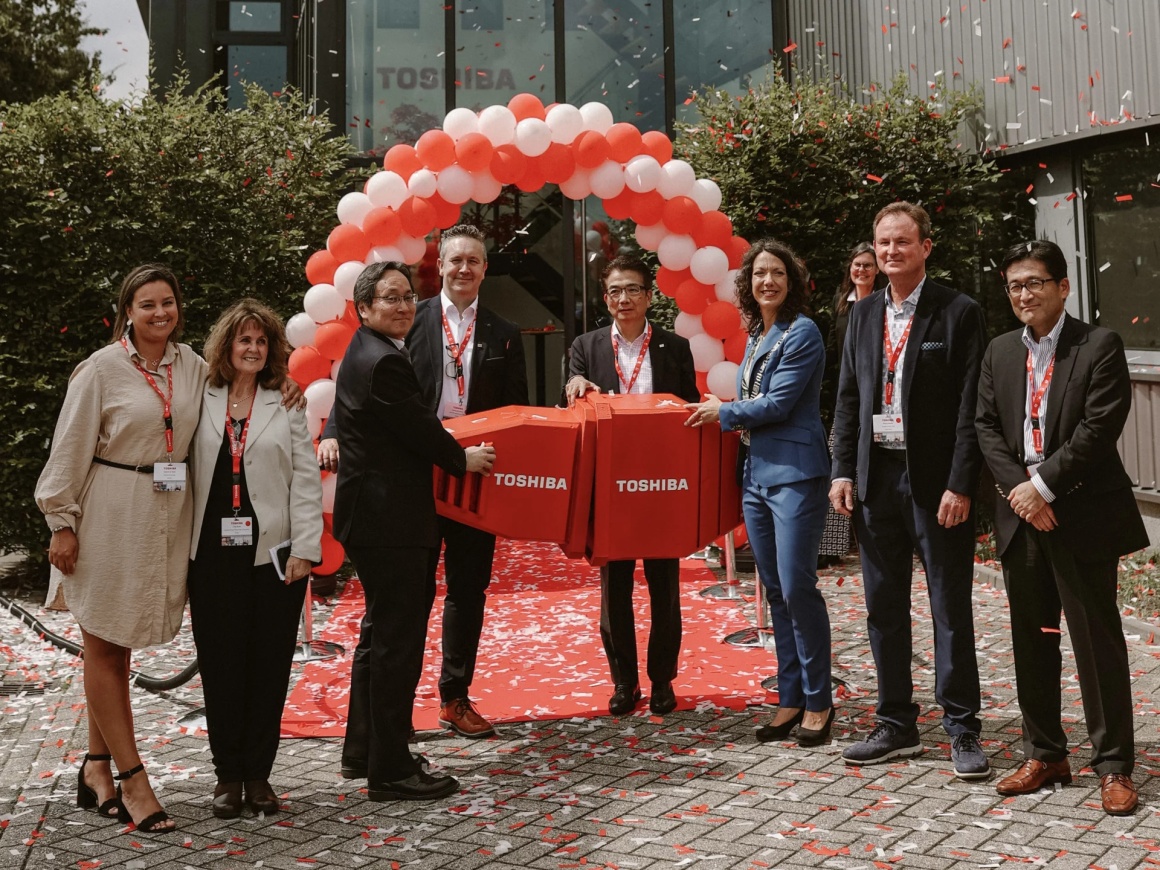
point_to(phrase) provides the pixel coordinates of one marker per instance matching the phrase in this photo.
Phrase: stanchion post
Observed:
(760, 635)
(731, 588)
(310, 649)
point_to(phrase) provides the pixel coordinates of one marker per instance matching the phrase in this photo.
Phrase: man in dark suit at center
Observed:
(1053, 399)
(634, 356)
(904, 421)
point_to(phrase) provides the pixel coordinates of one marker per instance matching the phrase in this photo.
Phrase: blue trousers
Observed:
(785, 528)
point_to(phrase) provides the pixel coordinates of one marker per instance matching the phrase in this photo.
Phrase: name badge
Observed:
(888, 429)
(454, 409)
(169, 477)
(237, 531)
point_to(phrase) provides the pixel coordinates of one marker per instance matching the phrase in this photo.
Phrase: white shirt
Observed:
(627, 354)
(449, 397)
(1042, 353)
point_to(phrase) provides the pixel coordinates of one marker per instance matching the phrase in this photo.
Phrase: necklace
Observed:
(239, 401)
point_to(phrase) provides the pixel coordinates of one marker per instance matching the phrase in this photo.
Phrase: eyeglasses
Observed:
(632, 291)
(454, 367)
(1015, 288)
(395, 301)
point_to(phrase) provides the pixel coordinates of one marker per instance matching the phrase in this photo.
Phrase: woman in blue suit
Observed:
(785, 479)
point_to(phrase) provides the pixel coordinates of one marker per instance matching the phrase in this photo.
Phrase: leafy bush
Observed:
(234, 201)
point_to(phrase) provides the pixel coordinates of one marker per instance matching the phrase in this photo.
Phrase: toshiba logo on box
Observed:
(530, 481)
(656, 484)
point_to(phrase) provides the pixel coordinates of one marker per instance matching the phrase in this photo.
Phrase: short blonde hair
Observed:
(220, 342)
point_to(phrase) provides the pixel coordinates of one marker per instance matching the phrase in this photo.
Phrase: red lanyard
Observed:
(237, 447)
(892, 353)
(1037, 399)
(166, 401)
(639, 359)
(457, 349)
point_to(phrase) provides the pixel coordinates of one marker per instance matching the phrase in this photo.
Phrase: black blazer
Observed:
(1087, 405)
(940, 380)
(669, 356)
(390, 441)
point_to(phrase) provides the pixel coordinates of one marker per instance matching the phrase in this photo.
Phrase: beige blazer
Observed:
(281, 473)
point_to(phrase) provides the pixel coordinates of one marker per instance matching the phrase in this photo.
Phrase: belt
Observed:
(140, 469)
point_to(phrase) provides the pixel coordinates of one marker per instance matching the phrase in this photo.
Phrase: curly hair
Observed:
(796, 299)
(219, 344)
(137, 278)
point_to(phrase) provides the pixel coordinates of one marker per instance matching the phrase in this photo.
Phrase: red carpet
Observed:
(540, 656)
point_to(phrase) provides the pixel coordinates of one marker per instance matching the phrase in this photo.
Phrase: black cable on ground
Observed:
(151, 684)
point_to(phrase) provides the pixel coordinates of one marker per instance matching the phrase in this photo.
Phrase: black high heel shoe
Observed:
(151, 824)
(768, 733)
(810, 737)
(87, 795)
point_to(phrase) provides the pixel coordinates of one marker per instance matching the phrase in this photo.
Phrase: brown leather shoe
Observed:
(1119, 794)
(461, 717)
(1033, 775)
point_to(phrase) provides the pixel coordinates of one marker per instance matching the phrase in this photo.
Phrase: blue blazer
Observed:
(787, 442)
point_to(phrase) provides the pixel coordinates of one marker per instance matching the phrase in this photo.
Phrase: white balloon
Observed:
(455, 184)
(726, 288)
(412, 249)
(329, 484)
(642, 173)
(597, 117)
(322, 302)
(676, 252)
(353, 207)
(533, 137)
(334, 370)
(707, 351)
(422, 183)
(460, 122)
(387, 189)
(722, 380)
(706, 194)
(345, 276)
(300, 329)
(649, 237)
(385, 254)
(498, 124)
(607, 180)
(579, 186)
(484, 187)
(687, 325)
(566, 123)
(677, 179)
(709, 265)
(319, 398)
(314, 427)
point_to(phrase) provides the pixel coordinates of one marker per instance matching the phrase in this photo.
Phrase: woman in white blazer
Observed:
(255, 485)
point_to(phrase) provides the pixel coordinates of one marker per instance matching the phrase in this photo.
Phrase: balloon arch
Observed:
(423, 187)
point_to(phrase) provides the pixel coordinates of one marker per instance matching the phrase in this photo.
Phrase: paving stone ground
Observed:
(692, 789)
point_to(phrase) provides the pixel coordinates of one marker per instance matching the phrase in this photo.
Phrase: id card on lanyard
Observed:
(167, 476)
(237, 531)
(1037, 396)
(456, 350)
(887, 428)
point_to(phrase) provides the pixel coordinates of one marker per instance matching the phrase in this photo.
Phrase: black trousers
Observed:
(467, 561)
(399, 588)
(618, 626)
(245, 625)
(890, 528)
(1043, 578)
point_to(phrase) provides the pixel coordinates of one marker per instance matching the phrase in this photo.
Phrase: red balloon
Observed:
(327, 519)
(736, 250)
(533, 177)
(624, 142)
(558, 163)
(735, 346)
(693, 296)
(591, 149)
(382, 226)
(715, 231)
(320, 267)
(332, 555)
(347, 242)
(474, 152)
(669, 280)
(658, 146)
(620, 206)
(508, 164)
(403, 160)
(417, 216)
(350, 316)
(307, 365)
(720, 320)
(702, 383)
(682, 215)
(332, 338)
(436, 150)
(526, 106)
(446, 213)
(648, 208)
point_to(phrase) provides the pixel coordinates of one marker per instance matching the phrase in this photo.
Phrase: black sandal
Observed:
(149, 824)
(87, 795)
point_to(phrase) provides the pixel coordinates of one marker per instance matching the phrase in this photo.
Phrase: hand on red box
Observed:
(481, 458)
(703, 413)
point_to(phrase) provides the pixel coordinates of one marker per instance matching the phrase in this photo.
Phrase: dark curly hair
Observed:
(796, 300)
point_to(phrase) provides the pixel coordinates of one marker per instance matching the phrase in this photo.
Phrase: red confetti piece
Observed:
(1051, 631)
(791, 47)
(875, 178)
(1002, 80)
(1126, 197)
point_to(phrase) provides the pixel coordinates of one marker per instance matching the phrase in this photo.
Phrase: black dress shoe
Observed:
(767, 733)
(819, 737)
(420, 786)
(260, 797)
(623, 700)
(227, 800)
(662, 700)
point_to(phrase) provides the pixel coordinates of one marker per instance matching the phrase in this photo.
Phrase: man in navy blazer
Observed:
(904, 421)
(634, 356)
